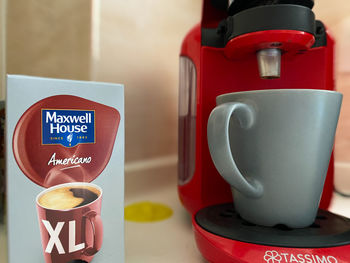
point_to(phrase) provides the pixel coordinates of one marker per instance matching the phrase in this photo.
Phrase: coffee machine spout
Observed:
(269, 61)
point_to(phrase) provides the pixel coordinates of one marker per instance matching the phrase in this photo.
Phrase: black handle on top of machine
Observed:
(246, 16)
(237, 6)
(271, 17)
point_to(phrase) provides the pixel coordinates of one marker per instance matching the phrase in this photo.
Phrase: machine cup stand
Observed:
(222, 236)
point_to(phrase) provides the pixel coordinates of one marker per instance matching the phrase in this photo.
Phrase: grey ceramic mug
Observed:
(273, 147)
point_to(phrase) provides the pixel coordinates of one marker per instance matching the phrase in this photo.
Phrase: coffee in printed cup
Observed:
(69, 197)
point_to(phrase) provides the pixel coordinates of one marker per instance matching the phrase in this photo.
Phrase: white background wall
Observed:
(139, 46)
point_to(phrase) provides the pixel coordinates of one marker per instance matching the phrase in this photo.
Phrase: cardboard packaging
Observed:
(64, 160)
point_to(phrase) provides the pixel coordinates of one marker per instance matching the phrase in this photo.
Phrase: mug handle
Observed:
(97, 228)
(219, 145)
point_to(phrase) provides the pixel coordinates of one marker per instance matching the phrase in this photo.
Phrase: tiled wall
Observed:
(49, 38)
(139, 46)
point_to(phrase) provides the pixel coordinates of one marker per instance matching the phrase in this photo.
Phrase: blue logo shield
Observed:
(67, 127)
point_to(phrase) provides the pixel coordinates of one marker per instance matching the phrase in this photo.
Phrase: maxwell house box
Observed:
(65, 171)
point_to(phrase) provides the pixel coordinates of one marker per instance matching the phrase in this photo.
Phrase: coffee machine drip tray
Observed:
(222, 236)
(328, 230)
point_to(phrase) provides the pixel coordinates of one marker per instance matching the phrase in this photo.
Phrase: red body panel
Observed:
(216, 75)
(223, 250)
(287, 40)
(233, 69)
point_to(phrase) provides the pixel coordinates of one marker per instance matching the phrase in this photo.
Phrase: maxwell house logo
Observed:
(67, 127)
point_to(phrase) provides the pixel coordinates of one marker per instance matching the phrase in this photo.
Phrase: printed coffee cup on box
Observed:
(70, 222)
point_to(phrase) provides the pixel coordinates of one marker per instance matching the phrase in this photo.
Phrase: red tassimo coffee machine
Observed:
(244, 45)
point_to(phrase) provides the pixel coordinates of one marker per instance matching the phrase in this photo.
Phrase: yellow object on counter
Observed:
(147, 212)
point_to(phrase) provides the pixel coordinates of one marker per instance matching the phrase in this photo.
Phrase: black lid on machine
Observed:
(270, 17)
(248, 16)
(237, 6)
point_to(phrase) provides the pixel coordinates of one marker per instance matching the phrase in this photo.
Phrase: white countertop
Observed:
(168, 241)
(171, 240)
